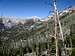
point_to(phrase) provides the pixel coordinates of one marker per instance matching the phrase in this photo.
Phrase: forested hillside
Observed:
(19, 40)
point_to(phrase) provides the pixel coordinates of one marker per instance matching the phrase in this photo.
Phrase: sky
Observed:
(29, 8)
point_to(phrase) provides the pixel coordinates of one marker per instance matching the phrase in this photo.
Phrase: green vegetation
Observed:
(19, 40)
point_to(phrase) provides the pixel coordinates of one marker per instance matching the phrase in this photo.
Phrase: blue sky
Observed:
(28, 8)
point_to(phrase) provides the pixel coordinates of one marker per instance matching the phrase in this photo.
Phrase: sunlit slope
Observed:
(66, 22)
(40, 33)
